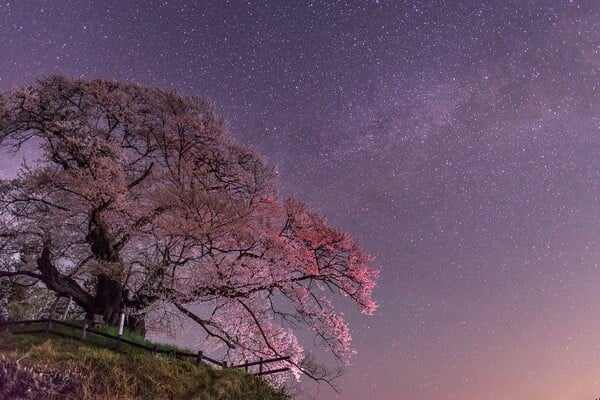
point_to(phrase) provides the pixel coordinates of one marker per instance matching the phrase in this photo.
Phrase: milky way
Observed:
(459, 141)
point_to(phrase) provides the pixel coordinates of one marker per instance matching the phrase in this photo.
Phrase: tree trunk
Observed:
(108, 300)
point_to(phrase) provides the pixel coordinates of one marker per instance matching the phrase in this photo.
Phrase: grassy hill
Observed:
(35, 366)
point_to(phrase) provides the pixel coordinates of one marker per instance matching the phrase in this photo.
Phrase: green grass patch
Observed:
(136, 375)
(94, 339)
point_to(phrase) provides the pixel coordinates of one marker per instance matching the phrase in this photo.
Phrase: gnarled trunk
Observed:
(108, 300)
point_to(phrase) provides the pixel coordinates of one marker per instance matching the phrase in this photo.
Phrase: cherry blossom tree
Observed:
(140, 199)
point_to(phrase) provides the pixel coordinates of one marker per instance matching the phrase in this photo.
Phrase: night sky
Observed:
(458, 140)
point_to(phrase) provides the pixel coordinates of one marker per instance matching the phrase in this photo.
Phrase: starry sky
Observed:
(458, 140)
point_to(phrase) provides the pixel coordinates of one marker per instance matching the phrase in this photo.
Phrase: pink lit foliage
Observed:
(140, 198)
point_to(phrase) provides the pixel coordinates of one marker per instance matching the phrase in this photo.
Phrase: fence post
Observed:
(84, 332)
(64, 316)
(260, 366)
(48, 326)
(120, 335)
(246, 367)
(54, 305)
(154, 349)
(224, 364)
(199, 357)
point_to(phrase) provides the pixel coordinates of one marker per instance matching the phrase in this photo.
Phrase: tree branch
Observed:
(61, 284)
(204, 324)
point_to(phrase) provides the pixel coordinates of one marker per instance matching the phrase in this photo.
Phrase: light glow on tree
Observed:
(140, 198)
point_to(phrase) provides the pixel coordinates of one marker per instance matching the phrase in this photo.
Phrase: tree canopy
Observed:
(139, 200)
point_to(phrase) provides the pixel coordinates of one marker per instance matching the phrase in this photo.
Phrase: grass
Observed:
(105, 374)
(101, 341)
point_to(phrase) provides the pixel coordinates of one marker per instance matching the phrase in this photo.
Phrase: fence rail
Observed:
(199, 357)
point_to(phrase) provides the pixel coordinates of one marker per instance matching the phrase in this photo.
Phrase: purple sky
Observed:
(459, 140)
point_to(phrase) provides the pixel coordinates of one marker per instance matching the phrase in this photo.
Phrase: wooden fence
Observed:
(47, 327)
